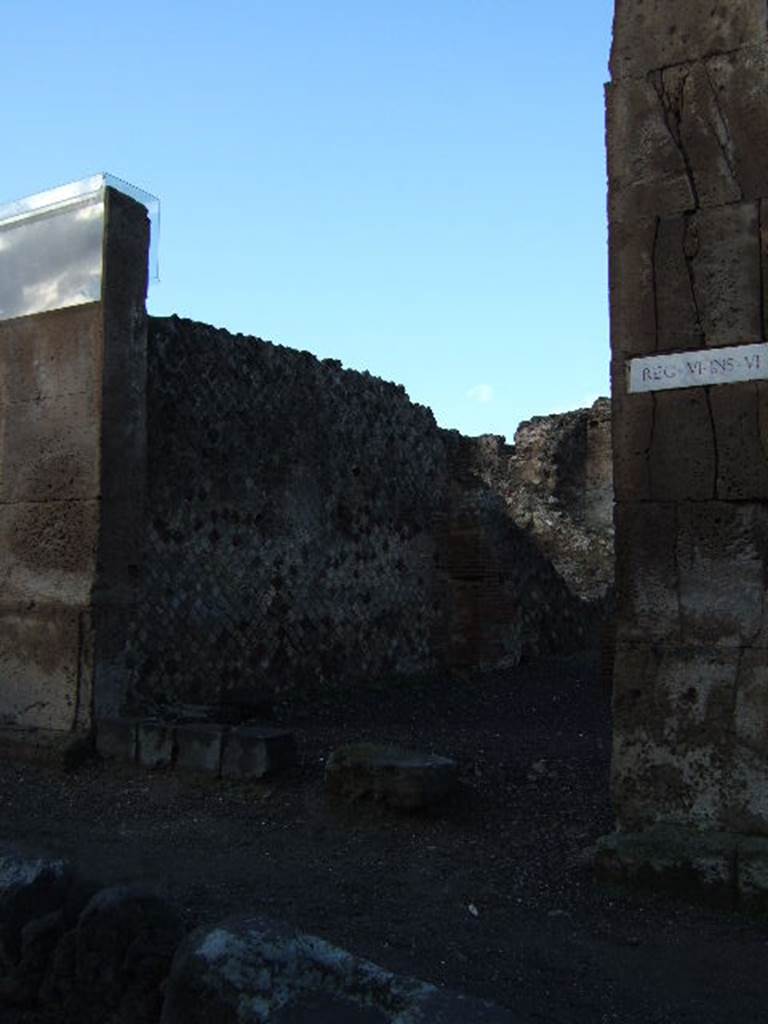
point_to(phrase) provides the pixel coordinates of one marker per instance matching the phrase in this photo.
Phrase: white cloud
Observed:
(480, 393)
(51, 261)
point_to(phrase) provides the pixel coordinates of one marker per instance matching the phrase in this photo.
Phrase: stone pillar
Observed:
(72, 455)
(687, 112)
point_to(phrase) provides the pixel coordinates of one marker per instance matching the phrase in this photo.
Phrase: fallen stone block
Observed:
(155, 743)
(404, 779)
(252, 751)
(252, 970)
(199, 748)
(116, 737)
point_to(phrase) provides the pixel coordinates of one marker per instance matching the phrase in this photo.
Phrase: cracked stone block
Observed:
(674, 755)
(690, 738)
(658, 34)
(750, 715)
(634, 674)
(684, 138)
(646, 571)
(251, 752)
(691, 100)
(155, 744)
(761, 388)
(403, 779)
(682, 459)
(721, 556)
(631, 271)
(742, 466)
(709, 278)
(647, 173)
(695, 690)
(199, 748)
(739, 80)
(687, 127)
(672, 151)
(679, 325)
(723, 248)
(116, 737)
(632, 429)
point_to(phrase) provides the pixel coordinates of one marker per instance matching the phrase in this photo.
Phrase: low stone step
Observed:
(240, 752)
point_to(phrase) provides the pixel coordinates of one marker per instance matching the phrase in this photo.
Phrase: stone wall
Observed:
(557, 486)
(688, 178)
(308, 526)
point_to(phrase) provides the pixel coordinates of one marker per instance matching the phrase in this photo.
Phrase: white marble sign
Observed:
(697, 369)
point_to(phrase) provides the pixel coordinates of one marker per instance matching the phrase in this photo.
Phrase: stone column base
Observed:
(723, 868)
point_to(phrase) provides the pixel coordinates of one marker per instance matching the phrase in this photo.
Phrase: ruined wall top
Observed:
(653, 34)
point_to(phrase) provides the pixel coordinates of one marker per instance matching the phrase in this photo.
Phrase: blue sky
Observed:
(415, 187)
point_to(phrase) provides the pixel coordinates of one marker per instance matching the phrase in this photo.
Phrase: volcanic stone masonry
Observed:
(687, 114)
(308, 526)
(556, 482)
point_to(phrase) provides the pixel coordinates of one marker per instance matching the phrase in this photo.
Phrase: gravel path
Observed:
(493, 895)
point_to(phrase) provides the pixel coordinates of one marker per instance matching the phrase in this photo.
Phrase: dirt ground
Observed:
(493, 895)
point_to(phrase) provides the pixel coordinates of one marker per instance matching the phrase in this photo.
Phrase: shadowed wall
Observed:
(308, 526)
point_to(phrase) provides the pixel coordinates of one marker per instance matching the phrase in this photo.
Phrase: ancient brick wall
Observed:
(688, 176)
(308, 526)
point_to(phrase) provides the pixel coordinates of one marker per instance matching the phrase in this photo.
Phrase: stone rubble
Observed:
(122, 954)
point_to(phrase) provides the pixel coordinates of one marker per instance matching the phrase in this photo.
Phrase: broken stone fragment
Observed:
(404, 779)
(252, 970)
